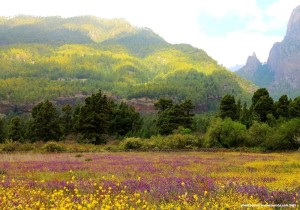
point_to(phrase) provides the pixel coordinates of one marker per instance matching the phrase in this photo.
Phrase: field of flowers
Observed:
(181, 180)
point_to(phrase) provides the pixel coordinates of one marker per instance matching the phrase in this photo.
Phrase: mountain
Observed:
(281, 73)
(235, 67)
(67, 59)
(57, 30)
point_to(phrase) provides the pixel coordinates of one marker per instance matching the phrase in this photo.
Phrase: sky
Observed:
(228, 30)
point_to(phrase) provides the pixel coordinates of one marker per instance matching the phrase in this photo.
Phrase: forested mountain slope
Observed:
(50, 58)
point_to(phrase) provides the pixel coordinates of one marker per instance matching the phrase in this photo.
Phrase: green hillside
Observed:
(47, 58)
(57, 30)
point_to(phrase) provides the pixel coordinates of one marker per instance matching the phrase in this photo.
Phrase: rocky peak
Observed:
(252, 62)
(281, 73)
(293, 28)
(284, 56)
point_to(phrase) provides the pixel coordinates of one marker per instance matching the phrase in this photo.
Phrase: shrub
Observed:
(11, 146)
(111, 148)
(78, 155)
(285, 136)
(225, 133)
(174, 141)
(88, 159)
(53, 147)
(257, 134)
(182, 130)
(180, 141)
(27, 147)
(132, 143)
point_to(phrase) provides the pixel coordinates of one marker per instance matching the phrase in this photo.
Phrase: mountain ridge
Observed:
(124, 61)
(281, 73)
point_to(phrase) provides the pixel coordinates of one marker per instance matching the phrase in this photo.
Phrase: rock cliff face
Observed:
(281, 73)
(250, 69)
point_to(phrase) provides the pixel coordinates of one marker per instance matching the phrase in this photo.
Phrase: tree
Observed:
(263, 107)
(173, 117)
(258, 94)
(238, 109)
(95, 117)
(228, 107)
(258, 134)
(282, 107)
(15, 129)
(76, 119)
(245, 117)
(225, 133)
(285, 136)
(125, 119)
(67, 119)
(163, 103)
(46, 123)
(167, 121)
(187, 107)
(262, 104)
(294, 107)
(2, 132)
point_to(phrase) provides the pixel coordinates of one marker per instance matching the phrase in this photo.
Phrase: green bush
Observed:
(53, 147)
(174, 141)
(180, 141)
(11, 146)
(285, 136)
(26, 147)
(257, 134)
(132, 143)
(225, 133)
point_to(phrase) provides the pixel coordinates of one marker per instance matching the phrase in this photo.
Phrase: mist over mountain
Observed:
(281, 73)
(69, 58)
(235, 67)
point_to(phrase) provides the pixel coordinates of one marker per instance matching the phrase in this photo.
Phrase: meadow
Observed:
(157, 180)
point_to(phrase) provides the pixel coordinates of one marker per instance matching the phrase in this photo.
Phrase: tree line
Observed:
(262, 109)
(93, 122)
(265, 124)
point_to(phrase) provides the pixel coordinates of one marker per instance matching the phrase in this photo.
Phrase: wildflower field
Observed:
(181, 180)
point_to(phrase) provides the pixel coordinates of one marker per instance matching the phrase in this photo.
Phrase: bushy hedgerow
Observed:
(173, 142)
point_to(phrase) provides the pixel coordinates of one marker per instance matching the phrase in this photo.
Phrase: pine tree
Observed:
(238, 109)
(245, 116)
(67, 119)
(95, 117)
(262, 104)
(294, 108)
(163, 103)
(46, 123)
(282, 107)
(174, 116)
(15, 129)
(125, 119)
(228, 107)
(2, 131)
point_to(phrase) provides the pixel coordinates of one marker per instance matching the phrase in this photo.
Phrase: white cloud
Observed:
(280, 12)
(235, 47)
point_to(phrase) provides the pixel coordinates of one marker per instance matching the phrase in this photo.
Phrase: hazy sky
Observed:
(228, 30)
